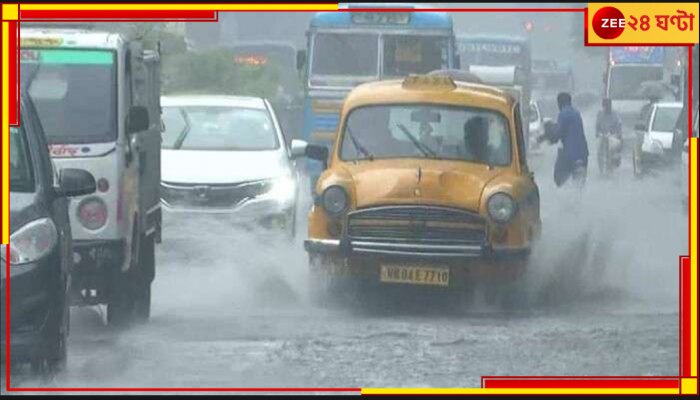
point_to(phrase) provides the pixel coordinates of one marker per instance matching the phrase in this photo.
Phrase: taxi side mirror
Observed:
(640, 127)
(318, 153)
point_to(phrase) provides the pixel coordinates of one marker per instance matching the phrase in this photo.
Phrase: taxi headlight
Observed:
(31, 242)
(334, 200)
(501, 207)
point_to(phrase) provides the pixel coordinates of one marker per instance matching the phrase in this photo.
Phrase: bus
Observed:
(347, 48)
(629, 69)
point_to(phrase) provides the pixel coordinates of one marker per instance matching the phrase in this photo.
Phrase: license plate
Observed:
(415, 275)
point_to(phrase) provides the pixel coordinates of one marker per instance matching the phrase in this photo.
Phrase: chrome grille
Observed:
(212, 195)
(419, 224)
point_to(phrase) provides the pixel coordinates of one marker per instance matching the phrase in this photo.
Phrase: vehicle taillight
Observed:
(92, 213)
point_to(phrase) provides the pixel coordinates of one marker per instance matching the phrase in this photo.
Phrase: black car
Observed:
(40, 251)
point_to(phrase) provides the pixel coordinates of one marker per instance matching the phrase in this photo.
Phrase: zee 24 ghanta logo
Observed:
(609, 22)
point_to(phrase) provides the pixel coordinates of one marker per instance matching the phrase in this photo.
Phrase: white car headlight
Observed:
(32, 242)
(501, 207)
(283, 189)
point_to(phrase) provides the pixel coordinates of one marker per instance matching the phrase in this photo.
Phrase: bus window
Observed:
(345, 54)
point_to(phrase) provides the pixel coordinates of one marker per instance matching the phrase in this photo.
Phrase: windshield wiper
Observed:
(357, 144)
(427, 151)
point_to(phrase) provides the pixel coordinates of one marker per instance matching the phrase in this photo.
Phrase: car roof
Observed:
(213, 101)
(463, 94)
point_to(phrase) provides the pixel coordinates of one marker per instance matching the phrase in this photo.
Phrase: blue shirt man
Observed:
(573, 159)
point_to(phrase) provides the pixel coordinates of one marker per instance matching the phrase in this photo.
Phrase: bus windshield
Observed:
(74, 92)
(349, 58)
(349, 55)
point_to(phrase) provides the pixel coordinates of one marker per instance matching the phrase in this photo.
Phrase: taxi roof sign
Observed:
(429, 82)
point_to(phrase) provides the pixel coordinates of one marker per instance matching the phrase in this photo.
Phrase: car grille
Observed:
(416, 224)
(212, 196)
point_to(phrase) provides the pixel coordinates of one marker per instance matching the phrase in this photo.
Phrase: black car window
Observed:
(21, 170)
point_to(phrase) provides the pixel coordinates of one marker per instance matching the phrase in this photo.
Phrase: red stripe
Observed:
(685, 317)
(13, 78)
(614, 383)
(116, 14)
(585, 26)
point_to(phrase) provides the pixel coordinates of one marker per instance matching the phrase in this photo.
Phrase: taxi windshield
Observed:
(74, 91)
(427, 131)
(218, 128)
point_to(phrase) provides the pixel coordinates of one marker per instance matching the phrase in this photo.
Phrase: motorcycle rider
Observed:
(609, 123)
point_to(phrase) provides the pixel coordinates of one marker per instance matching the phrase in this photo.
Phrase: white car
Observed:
(685, 169)
(227, 155)
(655, 137)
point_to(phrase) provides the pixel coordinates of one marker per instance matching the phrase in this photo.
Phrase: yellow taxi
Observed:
(427, 184)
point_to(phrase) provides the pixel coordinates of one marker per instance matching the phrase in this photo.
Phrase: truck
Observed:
(628, 71)
(97, 94)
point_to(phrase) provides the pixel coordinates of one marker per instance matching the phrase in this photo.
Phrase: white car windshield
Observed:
(218, 128)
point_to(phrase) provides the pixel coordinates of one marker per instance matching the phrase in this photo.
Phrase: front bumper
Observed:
(37, 294)
(347, 248)
(348, 265)
(265, 213)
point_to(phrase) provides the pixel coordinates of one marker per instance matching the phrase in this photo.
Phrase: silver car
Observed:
(227, 155)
